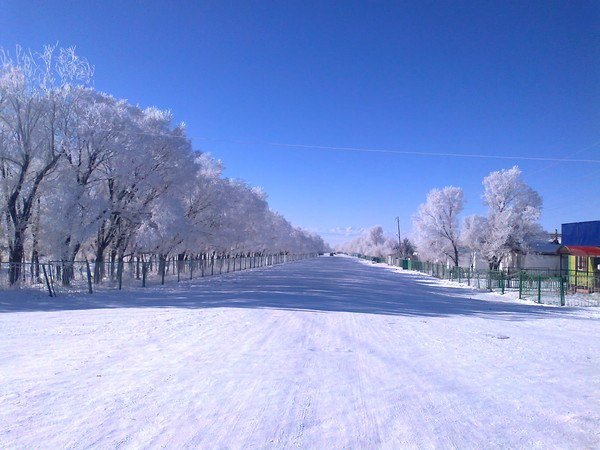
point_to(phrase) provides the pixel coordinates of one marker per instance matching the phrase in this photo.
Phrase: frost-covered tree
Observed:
(83, 174)
(514, 209)
(471, 236)
(436, 224)
(152, 157)
(92, 133)
(303, 241)
(373, 242)
(38, 92)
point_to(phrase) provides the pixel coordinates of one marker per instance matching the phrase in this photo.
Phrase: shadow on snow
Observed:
(323, 284)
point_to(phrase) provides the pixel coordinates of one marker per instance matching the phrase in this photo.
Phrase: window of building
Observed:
(581, 262)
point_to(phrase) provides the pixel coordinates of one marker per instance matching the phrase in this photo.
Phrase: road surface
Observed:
(323, 353)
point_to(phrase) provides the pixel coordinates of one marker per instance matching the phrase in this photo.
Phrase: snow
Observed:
(321, 353)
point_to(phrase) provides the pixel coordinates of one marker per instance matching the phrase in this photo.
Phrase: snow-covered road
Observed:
(324, 353)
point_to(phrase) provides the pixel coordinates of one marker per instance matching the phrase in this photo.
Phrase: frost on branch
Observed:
(372, 243)
(436, 224)
(83, 174)
(511, 224)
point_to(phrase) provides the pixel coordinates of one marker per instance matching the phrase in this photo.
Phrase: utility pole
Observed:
(399, 240)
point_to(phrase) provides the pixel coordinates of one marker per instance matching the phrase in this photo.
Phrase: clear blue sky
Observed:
(490, 78)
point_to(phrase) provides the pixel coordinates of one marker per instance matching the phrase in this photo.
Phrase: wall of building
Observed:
(581, 233)
(536, 261)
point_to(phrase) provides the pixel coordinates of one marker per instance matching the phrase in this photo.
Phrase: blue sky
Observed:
(486, 78)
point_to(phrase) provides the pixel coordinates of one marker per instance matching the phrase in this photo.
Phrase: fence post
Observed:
(539, 289)
(51, 280)
(521, 285)
(120, 272)
(47, 281)
(89, 276)
(562, 291)
(144, 273)
(502, 282)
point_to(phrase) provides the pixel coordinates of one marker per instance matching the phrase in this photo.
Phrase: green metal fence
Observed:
(547, 286)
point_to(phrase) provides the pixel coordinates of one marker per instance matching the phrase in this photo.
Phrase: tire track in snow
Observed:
(370, 433)
(320, 354)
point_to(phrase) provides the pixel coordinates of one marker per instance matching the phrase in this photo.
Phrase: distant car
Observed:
(331, 254)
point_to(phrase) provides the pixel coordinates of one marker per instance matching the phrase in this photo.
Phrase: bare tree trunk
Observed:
(162, 266)
(35, 266)
(15, 257)
(68, 263)
(99, 271)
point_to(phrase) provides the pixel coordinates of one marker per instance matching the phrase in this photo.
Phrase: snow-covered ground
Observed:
(323, 353)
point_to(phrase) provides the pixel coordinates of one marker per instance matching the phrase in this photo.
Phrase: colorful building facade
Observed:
(581, 241)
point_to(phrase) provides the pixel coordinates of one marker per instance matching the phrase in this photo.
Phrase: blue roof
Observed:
(547, 248)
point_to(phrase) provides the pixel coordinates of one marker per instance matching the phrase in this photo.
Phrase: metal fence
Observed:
(541, 285)
(59, 277)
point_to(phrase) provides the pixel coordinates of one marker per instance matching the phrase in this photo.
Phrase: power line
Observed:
(373, 150)
(549, 166)
(404, 152)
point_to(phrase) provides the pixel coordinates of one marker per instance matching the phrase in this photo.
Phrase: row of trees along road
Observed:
(373, 242)
(85, 174)
(511, 223)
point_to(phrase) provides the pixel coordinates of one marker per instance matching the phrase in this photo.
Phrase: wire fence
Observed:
(541, 285)
(60, 277)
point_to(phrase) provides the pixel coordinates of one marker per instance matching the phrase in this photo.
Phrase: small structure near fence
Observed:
(140, 271)
(582, 243)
